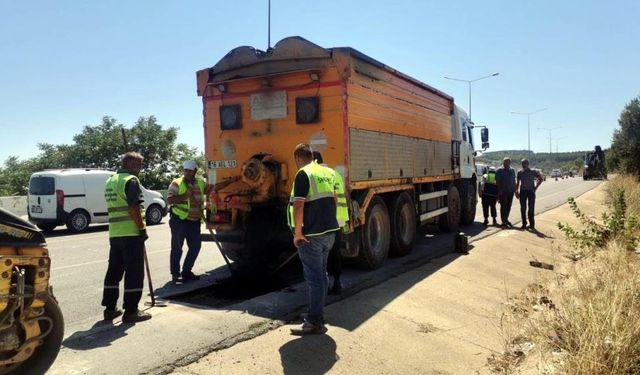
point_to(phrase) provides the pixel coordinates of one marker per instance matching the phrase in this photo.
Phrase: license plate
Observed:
(217, 164)
(36, 209)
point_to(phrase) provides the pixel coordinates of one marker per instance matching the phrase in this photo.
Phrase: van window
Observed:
(42, 186)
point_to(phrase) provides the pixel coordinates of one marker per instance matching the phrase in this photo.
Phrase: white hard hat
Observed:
(190, 165)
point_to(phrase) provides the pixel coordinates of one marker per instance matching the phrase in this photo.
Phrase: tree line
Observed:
(101, 146)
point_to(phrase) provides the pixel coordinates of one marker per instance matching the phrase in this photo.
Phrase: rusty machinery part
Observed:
(31, 323)
(253, 173)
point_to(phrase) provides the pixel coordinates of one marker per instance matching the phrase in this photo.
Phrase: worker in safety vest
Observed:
(489, 194)
(334, 263)
(314, 223)
(127, 233)
(186, 196)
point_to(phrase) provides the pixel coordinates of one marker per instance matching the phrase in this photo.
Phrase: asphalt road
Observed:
(79, 262)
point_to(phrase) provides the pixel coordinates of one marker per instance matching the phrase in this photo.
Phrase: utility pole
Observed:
(550, 129)
(528, 114)
(470, 82)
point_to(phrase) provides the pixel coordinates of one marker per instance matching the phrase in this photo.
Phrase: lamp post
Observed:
(550, 129)
(470, 82)
(557, 140)
(528, 114)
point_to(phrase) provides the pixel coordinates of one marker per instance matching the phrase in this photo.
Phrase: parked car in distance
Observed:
(75, 197)
(481, 169)
(556, 173)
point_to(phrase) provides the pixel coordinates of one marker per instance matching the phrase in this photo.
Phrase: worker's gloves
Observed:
(143, 235)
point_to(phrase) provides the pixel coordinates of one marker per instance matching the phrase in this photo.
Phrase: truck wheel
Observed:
(375, 236)
(450, 222)
(403, 224)
(469, 202)
(46, 228)
(153, 214)
(78, 221)
(45, 354)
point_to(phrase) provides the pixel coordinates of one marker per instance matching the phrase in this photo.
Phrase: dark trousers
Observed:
(334, 263)
(489, 201)
(126, 258)
(182, 230)
(528, 200)
(506, 200)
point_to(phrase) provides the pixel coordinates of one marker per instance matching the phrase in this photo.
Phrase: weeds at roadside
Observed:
(583, 321)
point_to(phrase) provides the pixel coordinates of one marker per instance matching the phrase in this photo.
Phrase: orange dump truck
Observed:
(404, 149)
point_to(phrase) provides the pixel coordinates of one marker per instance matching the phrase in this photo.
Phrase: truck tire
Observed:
(403, 224)
(45, 354)
(78, 221)
(376, 236)
(468, 202)
(450, 222)
(153, 214)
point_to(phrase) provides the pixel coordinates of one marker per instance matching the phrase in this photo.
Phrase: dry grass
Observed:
(586, 321)
(631, 188)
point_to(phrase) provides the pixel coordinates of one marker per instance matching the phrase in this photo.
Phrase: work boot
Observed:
(495, 222)
(485, 222)
(135, 316)
(110, 314)
(309, 329)
(189, 276)
(176, 278)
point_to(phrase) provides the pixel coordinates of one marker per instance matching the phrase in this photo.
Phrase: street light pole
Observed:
(557, 141)
(528, 114)
(550, 129)
(470, 82)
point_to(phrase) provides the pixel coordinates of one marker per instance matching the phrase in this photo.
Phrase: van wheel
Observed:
(46, 228)
(450, 222)
(403, 225)
(153, 214)
(78, 221)
(469, 202)
(376, 236)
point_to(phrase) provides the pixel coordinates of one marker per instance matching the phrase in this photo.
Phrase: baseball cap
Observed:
(190, 165)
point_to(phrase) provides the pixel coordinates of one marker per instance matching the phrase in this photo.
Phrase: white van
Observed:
(75, 198)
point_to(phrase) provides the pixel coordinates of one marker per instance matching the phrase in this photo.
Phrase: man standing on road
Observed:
(312, 218)
(127, 234)
(506, 182)
(489, 195)
(186, 196)
(527, 193)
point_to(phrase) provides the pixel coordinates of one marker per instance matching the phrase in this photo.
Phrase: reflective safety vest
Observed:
(182, 209)
(121, 224)
(491, 177)
(322, 191)
(490, 187)
(342, 209)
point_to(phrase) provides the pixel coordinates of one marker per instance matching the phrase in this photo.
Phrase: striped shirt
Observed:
(197, 198)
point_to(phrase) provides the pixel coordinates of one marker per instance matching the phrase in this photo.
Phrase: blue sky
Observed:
(66, 64)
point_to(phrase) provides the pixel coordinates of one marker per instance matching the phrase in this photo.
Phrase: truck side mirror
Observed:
(484, 135)
(485, 145)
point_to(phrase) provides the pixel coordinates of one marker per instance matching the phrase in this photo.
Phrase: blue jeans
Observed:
(181, 230)
(313, 256)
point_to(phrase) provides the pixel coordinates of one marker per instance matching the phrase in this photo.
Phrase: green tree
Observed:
(101, 146)
(625, 146)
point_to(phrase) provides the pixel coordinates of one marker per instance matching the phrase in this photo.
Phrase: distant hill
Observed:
(542, 160)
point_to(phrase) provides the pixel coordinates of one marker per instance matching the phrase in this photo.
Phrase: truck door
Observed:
(42, 200)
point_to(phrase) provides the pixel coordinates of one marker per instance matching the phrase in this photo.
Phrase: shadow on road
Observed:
(314, 354)
(101, 334)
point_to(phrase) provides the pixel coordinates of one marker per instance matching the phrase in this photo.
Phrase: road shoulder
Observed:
(442, 317)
